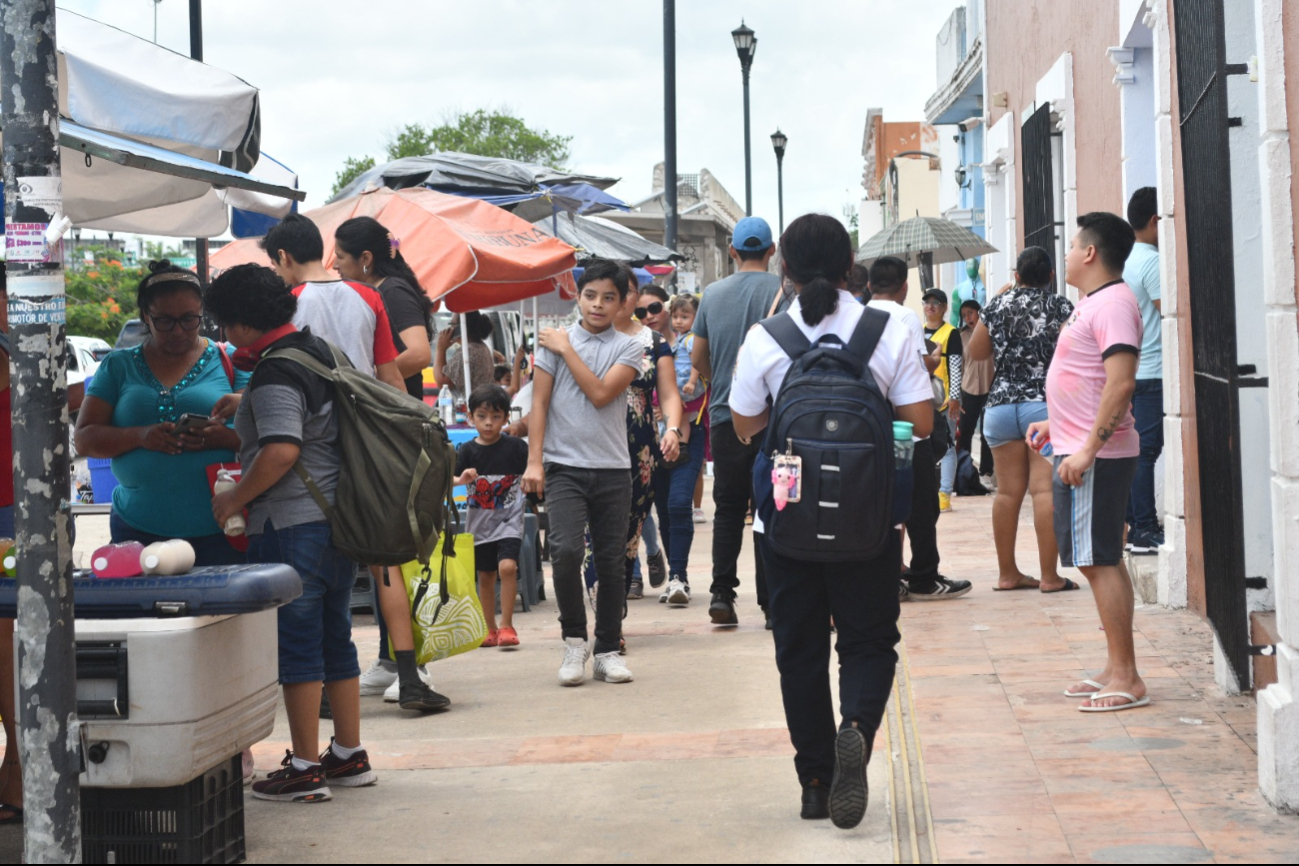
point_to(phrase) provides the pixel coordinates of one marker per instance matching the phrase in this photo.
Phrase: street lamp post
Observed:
(778, 142)
(745, 45)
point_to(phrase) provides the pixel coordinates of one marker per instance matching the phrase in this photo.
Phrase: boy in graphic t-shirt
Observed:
(492, 466)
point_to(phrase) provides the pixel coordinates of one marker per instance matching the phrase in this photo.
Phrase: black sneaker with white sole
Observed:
(291, 785)
(353, 772)
(721, 610)
(657, 566)
(849, 790)
(937, 589)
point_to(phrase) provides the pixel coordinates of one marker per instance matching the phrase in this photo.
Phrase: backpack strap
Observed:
(866, 336)
(788, 336)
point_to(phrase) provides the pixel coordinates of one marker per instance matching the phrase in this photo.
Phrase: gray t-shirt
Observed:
(577, 433)
(729, 308)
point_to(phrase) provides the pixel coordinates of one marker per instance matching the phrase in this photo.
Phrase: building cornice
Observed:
(962, 79)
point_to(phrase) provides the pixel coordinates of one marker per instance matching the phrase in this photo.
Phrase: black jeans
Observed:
(971, 416)
(600, 498)
(922, 526)
(732, 490)
(1148, 413)
(863, 599)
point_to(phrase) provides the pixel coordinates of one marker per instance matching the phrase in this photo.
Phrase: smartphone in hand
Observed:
(189, 422)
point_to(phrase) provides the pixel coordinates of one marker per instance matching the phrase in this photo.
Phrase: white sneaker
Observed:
(610, 668)
(393, 692)
(573, 671)
(667, 589)
(678, 592)
(699, 516)
(377, 679)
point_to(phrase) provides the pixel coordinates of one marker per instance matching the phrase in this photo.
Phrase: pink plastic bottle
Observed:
(118, 560)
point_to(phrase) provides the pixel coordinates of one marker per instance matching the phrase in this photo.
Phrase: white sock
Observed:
(343, 751)
(300, 765)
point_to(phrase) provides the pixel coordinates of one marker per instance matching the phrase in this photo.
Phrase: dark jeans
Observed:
(863, 599)
(922, 526)
(600, 498)
(674, 499)
(208, 549)
(732, 490)
(971, 417)
(1148, 412)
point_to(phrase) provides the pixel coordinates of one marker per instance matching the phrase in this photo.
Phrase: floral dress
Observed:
(643, 443)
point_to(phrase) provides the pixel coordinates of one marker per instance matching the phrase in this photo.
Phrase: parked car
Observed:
(132, 334)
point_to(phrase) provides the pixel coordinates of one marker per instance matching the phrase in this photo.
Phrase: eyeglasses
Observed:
(189, 322)
(652, 310)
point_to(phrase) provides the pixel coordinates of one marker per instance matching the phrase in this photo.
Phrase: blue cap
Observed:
(751, 234)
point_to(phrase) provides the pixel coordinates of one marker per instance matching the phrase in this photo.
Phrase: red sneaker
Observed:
(507, 637)
(491, 639)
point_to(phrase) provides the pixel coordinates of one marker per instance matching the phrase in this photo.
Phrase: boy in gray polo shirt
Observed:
(578, 457)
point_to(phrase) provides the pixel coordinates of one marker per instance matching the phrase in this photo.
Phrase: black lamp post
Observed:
(778, 142)
(745, 45)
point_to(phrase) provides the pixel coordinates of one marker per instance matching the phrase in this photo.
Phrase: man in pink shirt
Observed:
(1089, 388)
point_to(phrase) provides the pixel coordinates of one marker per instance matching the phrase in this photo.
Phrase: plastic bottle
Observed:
(236, 524)
(1045, 449)
(903, 447)
(446, 406)
(167, 557)
(117, 560)
(9, 557)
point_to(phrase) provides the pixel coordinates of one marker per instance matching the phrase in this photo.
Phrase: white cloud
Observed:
(336, 77)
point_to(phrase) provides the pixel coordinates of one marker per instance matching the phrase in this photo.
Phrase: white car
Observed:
(84, 355)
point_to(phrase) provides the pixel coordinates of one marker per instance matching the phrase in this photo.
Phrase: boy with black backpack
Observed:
(827, 380)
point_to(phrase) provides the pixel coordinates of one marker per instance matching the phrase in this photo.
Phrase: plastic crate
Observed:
(201, 821)
(102, 480)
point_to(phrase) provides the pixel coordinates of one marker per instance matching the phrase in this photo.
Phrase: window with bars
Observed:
(1041, 223)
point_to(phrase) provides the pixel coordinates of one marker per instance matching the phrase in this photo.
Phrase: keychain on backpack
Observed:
(787, 477)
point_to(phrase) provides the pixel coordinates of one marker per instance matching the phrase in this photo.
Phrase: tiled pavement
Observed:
(1017, 774)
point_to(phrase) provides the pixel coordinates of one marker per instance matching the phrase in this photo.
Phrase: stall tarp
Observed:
(466, 174)
(597, 238)
(465, 252)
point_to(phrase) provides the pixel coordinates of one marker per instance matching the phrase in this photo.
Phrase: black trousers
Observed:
(972, 414)
(863, 599)
(732, 490)
(922, 526)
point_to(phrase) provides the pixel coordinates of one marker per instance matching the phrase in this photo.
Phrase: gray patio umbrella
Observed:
(593, 236)
(924, 242)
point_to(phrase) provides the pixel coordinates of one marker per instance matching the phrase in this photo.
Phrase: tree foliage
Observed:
(101, 296)
(481, 132)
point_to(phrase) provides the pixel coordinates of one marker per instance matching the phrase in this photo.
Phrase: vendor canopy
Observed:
(464, 251)
(469, 174)
(158, 143)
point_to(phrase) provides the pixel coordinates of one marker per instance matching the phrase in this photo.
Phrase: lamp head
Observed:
(746, 43)
(778, 141)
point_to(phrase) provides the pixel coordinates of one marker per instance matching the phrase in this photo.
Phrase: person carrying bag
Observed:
(827, 380)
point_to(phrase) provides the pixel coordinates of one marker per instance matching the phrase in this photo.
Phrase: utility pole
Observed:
(196, 52)
(670, 132)
(46, 658)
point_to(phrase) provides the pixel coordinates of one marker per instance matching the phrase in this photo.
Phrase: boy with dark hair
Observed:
(578, 457)
(1141, 273)
(1089, 388)
(941, 332)
(492, 467)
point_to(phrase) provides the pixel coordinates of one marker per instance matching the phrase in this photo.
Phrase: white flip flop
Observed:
(1099, 687)
(1132, 704)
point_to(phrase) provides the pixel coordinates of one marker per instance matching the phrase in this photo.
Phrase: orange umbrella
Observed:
(466, 252)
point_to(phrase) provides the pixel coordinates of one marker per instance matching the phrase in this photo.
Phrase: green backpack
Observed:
(394, 495)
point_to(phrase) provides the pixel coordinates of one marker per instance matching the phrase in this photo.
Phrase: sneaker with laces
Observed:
(658, 569)
(636, 590)
(678, 592)
(610, 668)
(392, 694)
(667, 590)
(353, 772)
(1145, 544)
(722, 610)
(699, 516)
(849, 791)
(904, 593)
(377, 678)
(291, 785)
(938, 589)
(422, 698)
(572, 672)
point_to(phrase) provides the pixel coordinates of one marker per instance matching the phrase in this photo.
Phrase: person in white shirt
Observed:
(922, 582)
(861, 596)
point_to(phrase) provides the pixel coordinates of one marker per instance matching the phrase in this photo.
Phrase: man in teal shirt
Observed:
(1141, 273)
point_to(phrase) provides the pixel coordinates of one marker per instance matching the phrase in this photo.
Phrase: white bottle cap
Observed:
(151, 561)
(101, 563)
(10, 561)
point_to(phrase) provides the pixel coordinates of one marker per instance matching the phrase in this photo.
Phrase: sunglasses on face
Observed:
(652, 310)
(168, 323)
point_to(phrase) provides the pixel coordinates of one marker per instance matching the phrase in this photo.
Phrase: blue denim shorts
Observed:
(1009, 422)
(315, 628)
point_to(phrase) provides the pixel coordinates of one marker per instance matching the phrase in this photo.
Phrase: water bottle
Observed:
(167, 557)
(446, 406)
(903, 448)
(236, 524)
(1045, 449)
(117, 560)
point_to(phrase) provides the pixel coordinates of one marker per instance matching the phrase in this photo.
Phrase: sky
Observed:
(336, 83)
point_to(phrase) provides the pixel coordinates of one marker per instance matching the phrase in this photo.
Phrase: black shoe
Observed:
(635, 590)
(722, 610)
(658, 569)
(938, 589)
(290, 785)
(767, 614)
(353, 772)
(418, 696)
(816, 801)
(849, 791)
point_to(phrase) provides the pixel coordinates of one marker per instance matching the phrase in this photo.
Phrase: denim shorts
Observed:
(316, 627)
(1009, 422)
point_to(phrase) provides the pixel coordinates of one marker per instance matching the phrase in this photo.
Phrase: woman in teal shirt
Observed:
(131, 412)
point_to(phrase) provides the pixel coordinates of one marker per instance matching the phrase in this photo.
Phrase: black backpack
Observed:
(832, 414)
